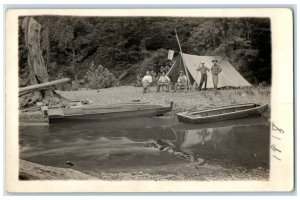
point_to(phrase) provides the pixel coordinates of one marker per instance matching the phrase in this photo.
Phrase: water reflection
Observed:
(202, 137)
(120, 145)
(234, 145)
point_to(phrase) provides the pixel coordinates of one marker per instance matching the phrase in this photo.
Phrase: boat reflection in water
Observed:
(232, 145)
(121, 145)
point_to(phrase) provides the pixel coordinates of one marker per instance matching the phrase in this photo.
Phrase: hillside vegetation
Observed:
(71, 45)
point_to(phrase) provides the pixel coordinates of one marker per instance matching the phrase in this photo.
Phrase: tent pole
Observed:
(171, 68)
(186, 72)
(178, 41)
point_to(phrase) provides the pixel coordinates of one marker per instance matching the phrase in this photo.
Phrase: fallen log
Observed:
(42, 85)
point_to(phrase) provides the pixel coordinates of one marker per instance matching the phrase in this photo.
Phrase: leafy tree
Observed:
(134, 44)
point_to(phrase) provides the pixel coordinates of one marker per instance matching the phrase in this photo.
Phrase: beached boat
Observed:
(101, 113)
(222, 113)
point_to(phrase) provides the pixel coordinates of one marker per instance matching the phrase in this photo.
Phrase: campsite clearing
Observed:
(182, 101)
(192, 100)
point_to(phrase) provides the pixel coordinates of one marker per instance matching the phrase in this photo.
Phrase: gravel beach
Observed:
(182, 101)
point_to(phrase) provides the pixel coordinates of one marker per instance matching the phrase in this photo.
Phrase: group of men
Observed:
(182, 82)
(215, 71)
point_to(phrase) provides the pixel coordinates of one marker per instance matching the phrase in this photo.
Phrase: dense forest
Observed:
(72, 45)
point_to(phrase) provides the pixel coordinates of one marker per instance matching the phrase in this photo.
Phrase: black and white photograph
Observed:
(146, 98)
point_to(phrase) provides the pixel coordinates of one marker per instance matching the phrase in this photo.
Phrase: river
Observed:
(123, 145)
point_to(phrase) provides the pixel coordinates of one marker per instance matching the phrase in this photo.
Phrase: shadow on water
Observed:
(121, 145)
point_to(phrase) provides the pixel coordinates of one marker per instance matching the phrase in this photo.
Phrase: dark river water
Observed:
(121, 145)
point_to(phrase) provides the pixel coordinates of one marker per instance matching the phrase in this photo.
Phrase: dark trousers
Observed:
(203, 80)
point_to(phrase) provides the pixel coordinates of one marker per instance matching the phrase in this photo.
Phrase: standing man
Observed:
(161, 70)
(163, 80)
(203, 69)
(147, 79)
(153, 74)
(215, 71)
(167, 68)
(154, 78)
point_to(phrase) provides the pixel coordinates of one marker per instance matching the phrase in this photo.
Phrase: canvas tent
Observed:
(228, 77)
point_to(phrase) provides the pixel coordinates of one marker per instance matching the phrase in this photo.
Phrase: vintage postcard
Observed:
(149, 100)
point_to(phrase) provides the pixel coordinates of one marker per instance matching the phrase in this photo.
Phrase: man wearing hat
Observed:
(215, 71)
(181, 82)
(161, 70)
(163, 80)
(203, 70)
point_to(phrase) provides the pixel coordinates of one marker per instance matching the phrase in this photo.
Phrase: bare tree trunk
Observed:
(37, 69)
(47, 47)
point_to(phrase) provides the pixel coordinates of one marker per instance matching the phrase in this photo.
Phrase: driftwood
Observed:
(42, 85)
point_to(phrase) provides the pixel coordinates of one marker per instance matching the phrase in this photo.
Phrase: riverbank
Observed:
(187, 171)
(182, 101)
(170, 171)
(33, 171)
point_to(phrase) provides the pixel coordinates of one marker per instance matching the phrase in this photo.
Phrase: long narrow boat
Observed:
(222, 113)
(101, 113)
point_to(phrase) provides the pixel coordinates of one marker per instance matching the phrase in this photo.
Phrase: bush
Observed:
(64, 86)
(99, 77)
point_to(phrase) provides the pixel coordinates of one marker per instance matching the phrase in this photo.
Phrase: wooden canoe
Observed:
(222, 113)
(101, 113)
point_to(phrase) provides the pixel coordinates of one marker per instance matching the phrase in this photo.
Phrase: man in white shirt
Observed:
(181, 82)
(163, 80)
(146, 81)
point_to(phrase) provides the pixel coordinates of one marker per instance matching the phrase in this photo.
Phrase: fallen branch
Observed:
(31, 108)
(42, 85)
(122, 75)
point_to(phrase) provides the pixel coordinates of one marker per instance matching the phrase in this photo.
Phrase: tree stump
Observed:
(37, 68)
